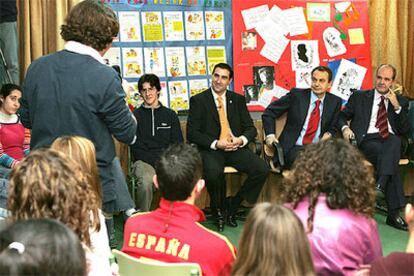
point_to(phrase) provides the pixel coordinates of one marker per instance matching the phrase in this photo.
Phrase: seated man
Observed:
(377, 118)
(172, 232)
(220, 125)
(312, 115)
(158, 127)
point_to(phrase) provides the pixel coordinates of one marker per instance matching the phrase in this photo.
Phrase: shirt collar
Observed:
(82, 49)
(314, 98)
(215, 95)
(377, 95)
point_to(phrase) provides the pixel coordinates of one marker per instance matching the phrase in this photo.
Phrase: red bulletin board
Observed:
(244, 60)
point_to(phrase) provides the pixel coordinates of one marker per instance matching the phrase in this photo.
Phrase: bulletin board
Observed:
(260, 45)
(178, 40)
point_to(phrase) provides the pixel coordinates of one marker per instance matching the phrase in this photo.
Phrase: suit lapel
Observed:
(327, 105)
(211, 105)
(369, 100)
(304, 106)
(229, 106)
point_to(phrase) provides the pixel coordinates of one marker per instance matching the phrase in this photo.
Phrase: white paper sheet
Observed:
(274, 47)
(254, 16)
(303, 78)
(296, 20)
(349, 76)
(333, 42)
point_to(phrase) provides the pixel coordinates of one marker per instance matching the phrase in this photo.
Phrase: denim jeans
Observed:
(9, 44)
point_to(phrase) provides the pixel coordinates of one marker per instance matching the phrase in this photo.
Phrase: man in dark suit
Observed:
(377, 118)
(312, 115)
(220, 125)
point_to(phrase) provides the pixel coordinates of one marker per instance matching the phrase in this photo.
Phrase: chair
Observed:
(129, 266)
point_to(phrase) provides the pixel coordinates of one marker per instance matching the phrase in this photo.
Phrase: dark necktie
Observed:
(382, 120)
(312, 125)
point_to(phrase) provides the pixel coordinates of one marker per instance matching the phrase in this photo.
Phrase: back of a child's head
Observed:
(273, 242)
(40, 247)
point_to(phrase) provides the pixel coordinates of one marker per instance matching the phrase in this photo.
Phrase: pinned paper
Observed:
(333, 42)
(356, 36)
(349, 76)
(296, 20)
(320, 12)
(304, 54)
(303, 78)
(342, 6)
(274, 47)
(254, 16)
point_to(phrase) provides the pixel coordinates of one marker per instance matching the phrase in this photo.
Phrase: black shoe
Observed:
(381, 207)
(231, 221)
(380, 191)
(219, 219)
(397, 222)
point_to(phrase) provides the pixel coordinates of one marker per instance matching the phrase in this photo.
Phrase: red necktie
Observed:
(382, 121)
(312, 124)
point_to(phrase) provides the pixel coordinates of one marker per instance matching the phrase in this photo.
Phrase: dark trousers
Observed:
(291, 155)
(384, 154)
(244, 160)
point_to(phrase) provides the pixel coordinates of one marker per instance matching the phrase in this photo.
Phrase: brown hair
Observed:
(91, 22)
(336, 168)
(273, 242)
(82, 151)
(48, 184)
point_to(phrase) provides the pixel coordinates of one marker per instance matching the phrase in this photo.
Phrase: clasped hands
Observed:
(229, 144)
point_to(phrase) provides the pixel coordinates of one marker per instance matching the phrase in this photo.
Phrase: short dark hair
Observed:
(152, 79)
(178, 170)
(323, 69)
(7, 88)
(394, 70)
(47, 247)
(226, 67)
(91, 22)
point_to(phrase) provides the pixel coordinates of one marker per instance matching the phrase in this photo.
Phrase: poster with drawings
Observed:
(173, 26)
(215, 25)
(178, 95)
(113, 56)
(194, 25)
(175, 61)
(197, 86)
(132, 62)
(196, 60)
(154, 61)
(349, 76)
(152, 26)
(129, 26)
(163, 98)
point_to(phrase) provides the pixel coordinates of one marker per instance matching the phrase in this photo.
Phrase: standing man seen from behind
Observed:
(158, 127)
(220, 125)
(377, 119)
(73, 92)
(172, 233)
(312, 115)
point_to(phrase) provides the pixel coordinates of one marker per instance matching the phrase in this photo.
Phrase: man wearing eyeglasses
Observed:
(158, 127)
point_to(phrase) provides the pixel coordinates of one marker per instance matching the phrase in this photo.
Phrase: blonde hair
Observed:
(273, 242)
(48, 184)
(82, 151)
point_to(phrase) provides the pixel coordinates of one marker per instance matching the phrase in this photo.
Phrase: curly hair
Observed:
(273, 242)
(337, 169)
(48, 184)
(91, 22)
(82, 151)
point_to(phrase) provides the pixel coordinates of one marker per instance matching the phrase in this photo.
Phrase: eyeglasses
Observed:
(146, 90)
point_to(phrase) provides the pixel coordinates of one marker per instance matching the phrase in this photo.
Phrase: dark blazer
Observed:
(358, 111)
(296, 104)
(203, 124)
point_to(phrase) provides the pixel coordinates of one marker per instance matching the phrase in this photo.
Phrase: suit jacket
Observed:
(66, 93)
(358, 111)
(296, 104)
(203, 124)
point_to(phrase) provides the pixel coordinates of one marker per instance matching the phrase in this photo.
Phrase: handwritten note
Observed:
(274, 47)
(295, 18)
(253, 16)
